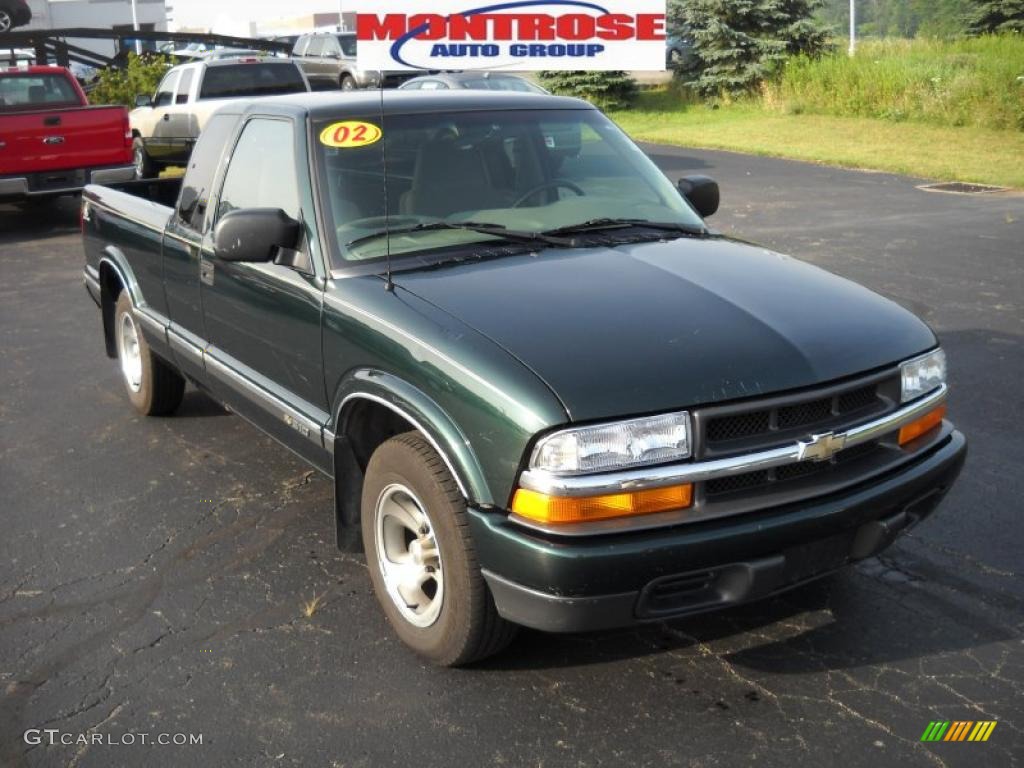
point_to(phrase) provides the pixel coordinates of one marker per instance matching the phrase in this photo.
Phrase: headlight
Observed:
(620, 445)
(923, 375)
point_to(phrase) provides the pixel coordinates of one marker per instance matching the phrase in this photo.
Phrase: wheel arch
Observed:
(115, 276)
(370, 407)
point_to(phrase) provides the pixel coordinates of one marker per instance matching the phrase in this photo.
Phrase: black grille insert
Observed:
(766, 426)
(787, 473)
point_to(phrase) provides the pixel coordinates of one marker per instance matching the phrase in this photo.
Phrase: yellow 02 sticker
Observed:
(350, 134)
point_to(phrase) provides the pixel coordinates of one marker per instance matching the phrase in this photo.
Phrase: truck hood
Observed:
(653, 327)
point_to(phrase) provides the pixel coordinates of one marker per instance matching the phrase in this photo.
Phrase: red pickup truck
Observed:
(52, 142)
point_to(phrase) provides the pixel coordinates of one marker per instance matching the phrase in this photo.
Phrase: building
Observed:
(299, 25)
(96, 14)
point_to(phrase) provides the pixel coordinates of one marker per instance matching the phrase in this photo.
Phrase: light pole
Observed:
(341, 15)
(853, 27)
(135, 26)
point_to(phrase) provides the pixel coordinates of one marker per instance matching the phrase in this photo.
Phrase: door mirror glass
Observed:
(255, 234)
(702, 192)
(142, 100)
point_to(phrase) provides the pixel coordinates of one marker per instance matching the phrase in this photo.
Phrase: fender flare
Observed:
(113, 259)
(425, 415)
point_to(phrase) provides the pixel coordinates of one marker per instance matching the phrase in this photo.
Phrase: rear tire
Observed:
(421, 557)
(154, 387)
(6, 22)
(145, 168)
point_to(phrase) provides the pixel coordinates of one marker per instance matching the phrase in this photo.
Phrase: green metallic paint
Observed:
(445, 373)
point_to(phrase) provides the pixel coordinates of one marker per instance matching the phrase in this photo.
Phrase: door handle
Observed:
(166, 117)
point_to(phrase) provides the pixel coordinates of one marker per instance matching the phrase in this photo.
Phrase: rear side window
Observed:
(256, 79)
(300, 46)
(262, 172)
(348, 45)
(25, 90)
(202, 169)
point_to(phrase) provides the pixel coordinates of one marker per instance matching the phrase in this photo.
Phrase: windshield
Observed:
(528, 171)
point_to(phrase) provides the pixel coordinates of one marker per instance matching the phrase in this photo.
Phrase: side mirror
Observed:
(702, 192)
(254, 234)
(142, 100)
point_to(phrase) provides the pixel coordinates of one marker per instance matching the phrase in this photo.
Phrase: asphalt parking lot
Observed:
(155, 574)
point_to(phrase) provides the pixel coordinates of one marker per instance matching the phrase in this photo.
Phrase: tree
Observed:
(995, 16)
(607, 90)
(740, 43)
(141, 75)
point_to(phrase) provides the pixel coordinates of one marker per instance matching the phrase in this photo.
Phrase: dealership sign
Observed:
(520, 35)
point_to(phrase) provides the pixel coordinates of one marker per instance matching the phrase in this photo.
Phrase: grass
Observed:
(968, 82)
(310, 607)
(947, 153)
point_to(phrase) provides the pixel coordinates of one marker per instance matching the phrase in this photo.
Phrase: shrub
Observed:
(141, 75)
(607, 90)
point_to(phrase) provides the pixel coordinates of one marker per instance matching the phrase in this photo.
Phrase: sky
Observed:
(233, 16)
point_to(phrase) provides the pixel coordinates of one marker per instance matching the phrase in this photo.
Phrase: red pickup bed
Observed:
(51, 141)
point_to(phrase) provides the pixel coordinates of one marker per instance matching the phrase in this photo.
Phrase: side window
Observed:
(331, 47)
(165, 92)
(202, 169)
(315, 46)
(262, 172)
(300, 46)
(184, 86)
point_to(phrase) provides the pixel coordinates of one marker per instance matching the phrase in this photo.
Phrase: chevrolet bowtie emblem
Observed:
(821, 447)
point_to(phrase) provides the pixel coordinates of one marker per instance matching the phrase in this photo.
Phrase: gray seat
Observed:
(450, 177)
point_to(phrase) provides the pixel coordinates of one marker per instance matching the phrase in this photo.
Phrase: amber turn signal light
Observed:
(564, 510)
(925, 424)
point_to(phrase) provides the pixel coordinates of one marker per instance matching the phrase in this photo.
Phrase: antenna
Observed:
(388, 284)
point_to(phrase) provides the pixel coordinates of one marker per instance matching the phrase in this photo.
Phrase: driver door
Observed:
(262, 320)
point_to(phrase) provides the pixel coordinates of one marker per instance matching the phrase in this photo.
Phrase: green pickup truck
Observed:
(547, 392)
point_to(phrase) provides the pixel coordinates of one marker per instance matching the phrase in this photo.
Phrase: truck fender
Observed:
(419, 410)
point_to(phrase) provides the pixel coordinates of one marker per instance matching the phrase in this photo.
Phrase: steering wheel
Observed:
(553, 184)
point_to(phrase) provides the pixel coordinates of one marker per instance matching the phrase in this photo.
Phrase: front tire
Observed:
(154, 387)
(348, 83)
(421, 558)
(6, 21)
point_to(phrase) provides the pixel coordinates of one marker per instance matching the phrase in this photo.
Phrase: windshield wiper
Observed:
(497, 230)
(598, 225)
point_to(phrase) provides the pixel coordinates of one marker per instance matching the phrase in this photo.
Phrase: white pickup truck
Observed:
(165, 126)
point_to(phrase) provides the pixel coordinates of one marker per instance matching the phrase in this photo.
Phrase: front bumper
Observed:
(560, 585)
(65, 182)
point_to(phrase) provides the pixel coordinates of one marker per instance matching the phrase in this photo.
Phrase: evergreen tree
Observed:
(740, 43)
(607, 90)
(997, 16)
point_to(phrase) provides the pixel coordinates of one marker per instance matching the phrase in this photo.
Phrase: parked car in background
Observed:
(14, 13)
(51, 141)
(165, 126)
(680, 52)
(329, 61)
(473, 81)
(232, 53)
